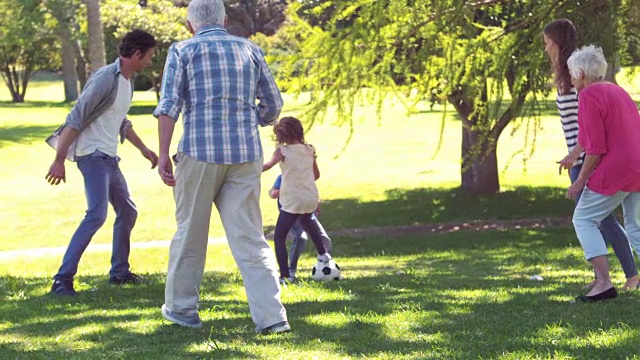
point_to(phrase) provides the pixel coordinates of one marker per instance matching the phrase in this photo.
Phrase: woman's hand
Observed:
(576, 188)
(567, 162)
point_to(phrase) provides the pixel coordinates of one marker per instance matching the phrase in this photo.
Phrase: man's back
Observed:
(215, 78)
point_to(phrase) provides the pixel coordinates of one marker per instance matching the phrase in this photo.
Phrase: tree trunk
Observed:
(81, 65)
(96, 36)
(479, 170)
(69, 76)
(12, 84)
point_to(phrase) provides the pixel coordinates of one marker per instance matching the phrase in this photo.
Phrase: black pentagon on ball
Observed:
(326, 270)
(313, 271)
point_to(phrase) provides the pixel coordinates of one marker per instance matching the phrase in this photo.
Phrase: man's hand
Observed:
(151, 156)
(56, 172)
(576, 188)
(165, 169)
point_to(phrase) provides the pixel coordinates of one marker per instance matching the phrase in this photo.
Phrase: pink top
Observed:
(610, 126)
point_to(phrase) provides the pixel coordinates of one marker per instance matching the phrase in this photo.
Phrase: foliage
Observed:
(26, 44)
(483, 58)
(279, 49)
(161, 18)
(250, 17)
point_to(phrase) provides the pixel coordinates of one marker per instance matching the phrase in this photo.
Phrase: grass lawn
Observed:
(390, 167)
(459, 295)
(464, 295)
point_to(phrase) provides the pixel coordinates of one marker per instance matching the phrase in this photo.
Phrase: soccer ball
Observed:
(325, 271)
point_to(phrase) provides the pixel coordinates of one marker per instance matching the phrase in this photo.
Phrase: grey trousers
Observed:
(235, 190)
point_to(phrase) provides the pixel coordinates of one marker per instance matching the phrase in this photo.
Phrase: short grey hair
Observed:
(206, 12)
(590, 61)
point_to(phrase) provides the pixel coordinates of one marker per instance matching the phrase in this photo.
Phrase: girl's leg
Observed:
(299, 240)
(312, 230)
(284, 224)
(326, 240)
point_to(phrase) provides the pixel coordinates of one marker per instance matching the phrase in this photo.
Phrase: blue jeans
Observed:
(285, 223)
(103, 184)
(300, 238)
(613, 234)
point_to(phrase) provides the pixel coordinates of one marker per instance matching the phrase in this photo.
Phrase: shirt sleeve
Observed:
(94, 93)
(172, 86)
(269, 98)
(592, 134)
(278, 182)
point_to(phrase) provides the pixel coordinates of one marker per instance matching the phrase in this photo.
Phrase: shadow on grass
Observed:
(34, 104)
(24, 134)
(436, 205)
(463, 295)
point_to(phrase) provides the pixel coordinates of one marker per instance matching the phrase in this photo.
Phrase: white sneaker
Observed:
(277, 328)
(324, 257)
(192, 321)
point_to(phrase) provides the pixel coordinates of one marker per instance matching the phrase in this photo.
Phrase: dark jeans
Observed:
(103, 184)
(300, 238)
(284, 224)
(613, 234)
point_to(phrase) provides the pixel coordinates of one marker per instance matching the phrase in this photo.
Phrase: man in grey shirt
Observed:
(89, 136)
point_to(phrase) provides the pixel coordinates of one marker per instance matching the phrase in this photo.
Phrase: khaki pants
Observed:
(235, 190)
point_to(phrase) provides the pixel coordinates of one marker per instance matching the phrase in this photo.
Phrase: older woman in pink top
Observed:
(610, 134)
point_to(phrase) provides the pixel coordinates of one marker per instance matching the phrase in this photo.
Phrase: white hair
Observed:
(590, 61)
(206, 12)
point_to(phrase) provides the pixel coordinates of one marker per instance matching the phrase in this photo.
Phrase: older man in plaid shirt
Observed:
(214, 79)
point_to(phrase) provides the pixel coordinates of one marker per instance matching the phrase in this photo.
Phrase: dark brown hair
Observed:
(563, 33)
(289, 129)
(136, 40)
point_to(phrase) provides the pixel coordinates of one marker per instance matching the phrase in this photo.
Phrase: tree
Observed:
(484, 58)
(249, 17)
(26, 45)
(64, 19)
(96, 37)
(161, 18)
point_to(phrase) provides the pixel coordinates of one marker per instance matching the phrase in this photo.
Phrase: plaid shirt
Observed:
(215, 78)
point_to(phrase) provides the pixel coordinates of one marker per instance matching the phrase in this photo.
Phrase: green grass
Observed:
(459, 296)
(390, 167)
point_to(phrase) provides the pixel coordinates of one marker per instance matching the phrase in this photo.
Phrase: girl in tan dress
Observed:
(298, 191)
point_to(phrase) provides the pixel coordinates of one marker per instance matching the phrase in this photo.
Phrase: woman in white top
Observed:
(298, 191)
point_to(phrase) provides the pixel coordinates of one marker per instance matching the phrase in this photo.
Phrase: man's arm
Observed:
(166, 125)
(168, 111)
(269, 97)
(137, 142)
(56, 170)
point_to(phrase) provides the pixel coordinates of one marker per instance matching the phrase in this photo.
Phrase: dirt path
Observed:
(474, 225)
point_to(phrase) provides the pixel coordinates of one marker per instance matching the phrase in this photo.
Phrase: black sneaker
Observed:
(63, 287)
(129, 278)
